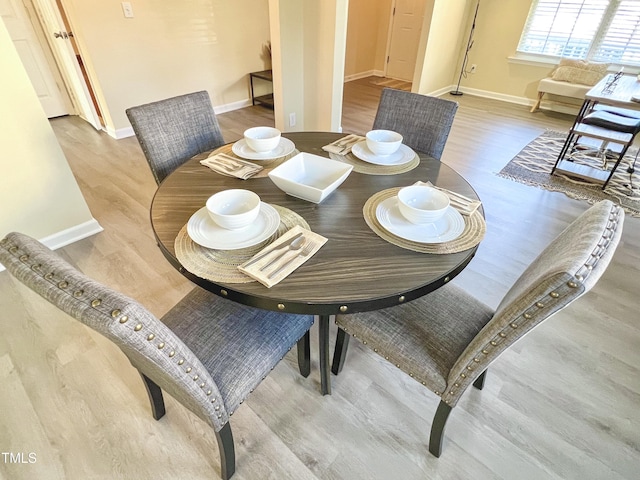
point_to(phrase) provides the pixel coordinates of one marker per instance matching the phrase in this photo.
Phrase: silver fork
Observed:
(306, 251)
(349, 144)
(344, 142)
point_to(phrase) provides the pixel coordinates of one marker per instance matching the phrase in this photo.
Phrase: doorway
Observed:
(28, 39)
(65, 61)
(80, 63)
(404, 38)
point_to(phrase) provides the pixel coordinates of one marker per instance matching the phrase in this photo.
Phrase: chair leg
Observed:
(155, 396)
(227, 452)
(479, 382)
(304, 355)
(437, 428)
(340, 351)
(536, 105)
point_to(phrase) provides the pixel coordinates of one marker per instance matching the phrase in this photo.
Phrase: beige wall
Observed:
(38, 193)
(308, 38)
(367, 33)
(169, 48)
(445, 20)
(444, 37)
(287, 40)
(325, 28)
(498, 29)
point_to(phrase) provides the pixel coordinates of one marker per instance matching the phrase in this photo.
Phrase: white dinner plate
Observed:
(447, 228)
(241, 149)
(205, 232)
(401, 156)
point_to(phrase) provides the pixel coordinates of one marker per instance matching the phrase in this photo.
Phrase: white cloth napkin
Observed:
(290, 261)
(343, 145)
(230, 166)
(464, 205)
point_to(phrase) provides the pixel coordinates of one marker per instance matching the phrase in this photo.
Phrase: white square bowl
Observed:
(310, 177)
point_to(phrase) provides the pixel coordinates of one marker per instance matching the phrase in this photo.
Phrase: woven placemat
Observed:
(221, 265)
(367, 168)
(267, 165)
(473, 233)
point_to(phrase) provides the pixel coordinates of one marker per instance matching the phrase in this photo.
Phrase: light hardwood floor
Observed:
(564, 403)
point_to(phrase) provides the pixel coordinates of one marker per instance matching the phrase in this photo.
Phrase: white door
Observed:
(45, 80)
(58, 39)
(405, 37)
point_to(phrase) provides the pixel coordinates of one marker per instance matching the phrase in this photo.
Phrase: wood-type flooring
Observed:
(564, 403)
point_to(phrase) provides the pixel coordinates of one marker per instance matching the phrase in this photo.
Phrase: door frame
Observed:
(387, 51)
(43, 58)
(82, 96)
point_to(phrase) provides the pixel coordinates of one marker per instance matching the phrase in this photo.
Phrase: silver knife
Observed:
(275, 247)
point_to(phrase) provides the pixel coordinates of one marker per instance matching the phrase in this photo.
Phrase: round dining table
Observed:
(355, 270)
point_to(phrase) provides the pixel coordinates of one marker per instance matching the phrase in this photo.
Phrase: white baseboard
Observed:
(496, 96)
(73, 234)
(229, 107)
(120, 133)
(369, 73)
(441, 91)
(552, 106)
(128, 131)
(70, 235)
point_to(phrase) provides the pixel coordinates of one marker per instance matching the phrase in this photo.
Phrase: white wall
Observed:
(38, 192)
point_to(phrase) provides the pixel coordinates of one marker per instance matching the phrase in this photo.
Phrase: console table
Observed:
(267, 99)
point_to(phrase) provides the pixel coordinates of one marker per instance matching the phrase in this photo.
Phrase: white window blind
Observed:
(620, 42)
(600, 30)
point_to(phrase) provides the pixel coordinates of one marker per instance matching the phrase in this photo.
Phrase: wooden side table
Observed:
(266, 100)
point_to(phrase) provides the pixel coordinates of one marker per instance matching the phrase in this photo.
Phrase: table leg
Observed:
(325, 373)
(586, 106)
(253, 101)
(613, 170)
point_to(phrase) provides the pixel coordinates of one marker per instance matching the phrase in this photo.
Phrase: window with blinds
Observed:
(599, 30)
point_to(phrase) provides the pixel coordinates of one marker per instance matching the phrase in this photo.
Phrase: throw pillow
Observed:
(579, 71)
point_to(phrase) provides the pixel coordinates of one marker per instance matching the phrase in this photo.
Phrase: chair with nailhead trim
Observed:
(207, 352)
(423, 121)
(447, 339)
(173, 130)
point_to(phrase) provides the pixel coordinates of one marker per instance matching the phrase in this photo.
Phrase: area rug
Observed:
(532, 166)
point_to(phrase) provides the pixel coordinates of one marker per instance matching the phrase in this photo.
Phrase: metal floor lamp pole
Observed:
(457, 91)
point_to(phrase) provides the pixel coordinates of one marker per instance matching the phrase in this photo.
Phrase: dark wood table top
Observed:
(354, 271)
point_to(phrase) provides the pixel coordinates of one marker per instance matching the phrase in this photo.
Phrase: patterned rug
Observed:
(532, 166)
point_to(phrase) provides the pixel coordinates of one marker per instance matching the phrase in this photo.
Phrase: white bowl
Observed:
(383, 142)
(262, 139)
(310, 177)
(234, 209)
(421, 204)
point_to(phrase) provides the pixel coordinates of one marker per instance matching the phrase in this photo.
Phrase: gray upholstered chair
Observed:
(207, 352)
(173, 130)
(423, 121)
(447, 339)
